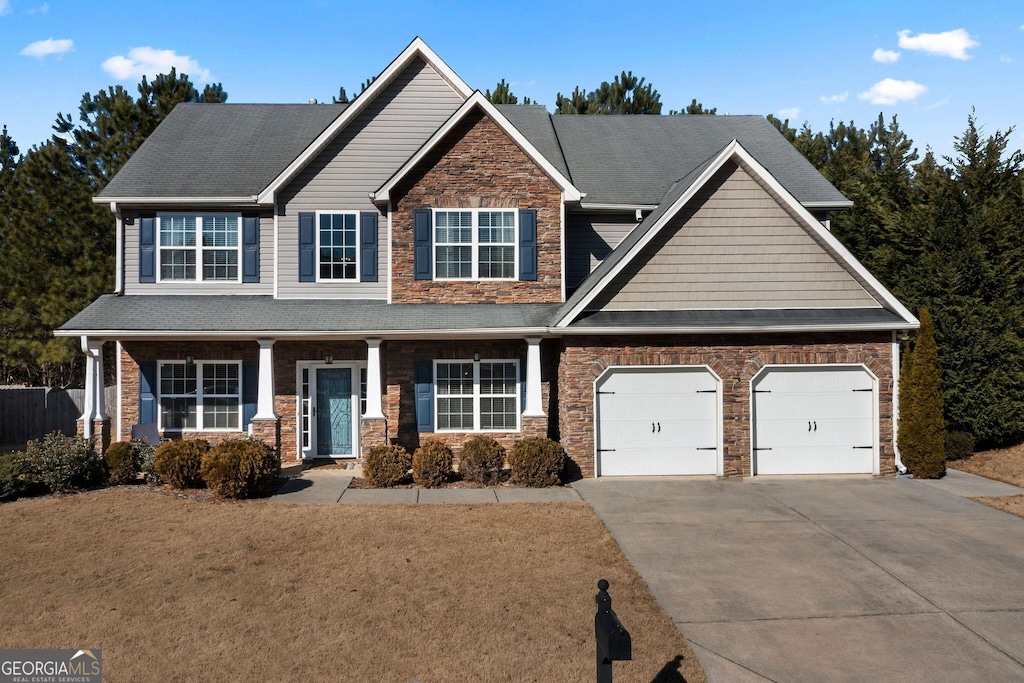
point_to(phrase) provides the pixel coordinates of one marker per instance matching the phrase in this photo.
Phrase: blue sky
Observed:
(928, 62)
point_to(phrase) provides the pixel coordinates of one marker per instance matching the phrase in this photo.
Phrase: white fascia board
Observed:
(588, 206)
(179, 335)
(251, 200)
(570, 192)
(846, 204)
(735, 150)
(417, 48)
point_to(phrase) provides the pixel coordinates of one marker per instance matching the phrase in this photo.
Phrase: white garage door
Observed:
(814, 420)
(657, 421)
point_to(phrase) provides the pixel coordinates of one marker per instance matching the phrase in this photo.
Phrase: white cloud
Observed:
(42, 9)
(1005, 59)
(834, 99)
(45, 48)
(947, 44)
(885, 56)
(790, 113)
(148, 61)
(5, 6)
(890, 91)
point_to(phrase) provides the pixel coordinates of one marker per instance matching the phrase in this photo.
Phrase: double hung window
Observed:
(475, 244)
(477, 395)
(199, 247)
(338, 247)
(200, 396)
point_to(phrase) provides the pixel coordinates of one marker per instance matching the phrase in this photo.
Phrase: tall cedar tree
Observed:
(59, 246)
(922, 433)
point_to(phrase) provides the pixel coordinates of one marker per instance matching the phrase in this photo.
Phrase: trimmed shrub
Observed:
(241, 468)
(432, 463)
(63, 463)
(536, 462)
(959, 445)
(146, 453)
(122, 463)
(179, 462)
(12, 472)
(922, 430)
(386, 465)
(482, 460)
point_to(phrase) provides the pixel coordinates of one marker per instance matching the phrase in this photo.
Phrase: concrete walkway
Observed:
(331, 486)
(829, 579)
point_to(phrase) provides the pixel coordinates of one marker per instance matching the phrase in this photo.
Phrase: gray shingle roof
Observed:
(249, 313)
(534, 122)
(220, 150)
(634, 159)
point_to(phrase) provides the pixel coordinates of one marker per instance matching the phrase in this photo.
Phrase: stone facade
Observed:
(477, 166)
(735, 359)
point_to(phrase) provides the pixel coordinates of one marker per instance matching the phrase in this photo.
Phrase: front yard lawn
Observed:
(173, 589)
(1005, 465)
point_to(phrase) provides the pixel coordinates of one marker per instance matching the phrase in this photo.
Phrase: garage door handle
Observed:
(652, 428)
(808, 425)
(659, 428)
(815, 425)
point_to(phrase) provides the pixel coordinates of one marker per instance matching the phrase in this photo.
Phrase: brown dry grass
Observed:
(1004, 464)
(174, 589)
(1012, 504)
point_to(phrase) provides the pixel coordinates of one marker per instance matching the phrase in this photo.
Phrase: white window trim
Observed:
(474, 244)
(477, 395)
(198, 248)
(199, 397)
(316, 261)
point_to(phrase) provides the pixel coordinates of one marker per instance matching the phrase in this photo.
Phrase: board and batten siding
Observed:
(589, 238)
(735, 246)
(357, 162)
(131, 263)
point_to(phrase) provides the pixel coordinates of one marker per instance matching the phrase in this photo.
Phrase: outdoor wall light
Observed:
(189, 360)
(328, 359)
(476, 355)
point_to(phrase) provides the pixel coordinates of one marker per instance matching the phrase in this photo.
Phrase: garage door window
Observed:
(480, 396)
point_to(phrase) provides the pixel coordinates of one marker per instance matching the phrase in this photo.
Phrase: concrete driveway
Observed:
(829, 579)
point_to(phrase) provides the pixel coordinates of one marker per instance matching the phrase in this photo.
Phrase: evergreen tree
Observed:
(922, 436)
(503, 95)
(695, 108)
(626, 94)
(342, 97)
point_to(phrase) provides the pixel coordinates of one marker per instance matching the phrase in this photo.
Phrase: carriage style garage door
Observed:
(814, 420)
(657, 421)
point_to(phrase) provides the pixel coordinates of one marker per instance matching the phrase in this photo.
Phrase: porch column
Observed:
(265, 397)
(89, 410)
(534, 400)
(373, 397)
(99, 400)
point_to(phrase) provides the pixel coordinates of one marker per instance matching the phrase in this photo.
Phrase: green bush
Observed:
(12, 472)
(147, 461)
(241, 468)
(482, 460)
(432, 463)
(537, 462)
(122, 463)
(959, 445)
(386, 466)
(179, 462)
(63, 463)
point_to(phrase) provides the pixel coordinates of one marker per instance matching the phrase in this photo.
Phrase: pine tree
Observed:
(626, 94)
(503, 95)
(923, 434)
(695, 108)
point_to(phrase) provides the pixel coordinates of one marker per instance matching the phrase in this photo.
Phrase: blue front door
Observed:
(334, 412)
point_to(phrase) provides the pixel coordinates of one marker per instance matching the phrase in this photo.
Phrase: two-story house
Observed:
(662, 294)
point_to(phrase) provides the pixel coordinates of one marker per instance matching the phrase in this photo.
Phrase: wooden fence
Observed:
(30, 412)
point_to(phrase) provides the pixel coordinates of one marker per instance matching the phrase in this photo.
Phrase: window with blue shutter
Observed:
(250, 249)
(147, 392)
(147, 249)
(528, 244)
(307, 247)
(422, 244)
(368, 246)
(424, 394)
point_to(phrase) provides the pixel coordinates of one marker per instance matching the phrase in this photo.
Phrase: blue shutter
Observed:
(307, 247)
(368, 246)
(422, 244)
(147, 249)
(528, 244)
(424, 376)
(250, 249)
(147, 392)
(250, 391)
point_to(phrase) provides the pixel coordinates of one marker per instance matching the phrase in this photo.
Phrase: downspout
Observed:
(900, 467)
(119, 245)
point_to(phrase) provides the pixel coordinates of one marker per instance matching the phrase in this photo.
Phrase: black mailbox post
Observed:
(614, 643)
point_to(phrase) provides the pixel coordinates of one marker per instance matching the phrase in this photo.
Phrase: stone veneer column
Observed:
(102, 434)
(373, 431)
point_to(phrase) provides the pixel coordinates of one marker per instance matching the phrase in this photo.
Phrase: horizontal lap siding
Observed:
(589, 238)
(358, 162)
(738, 247)
(264, 286)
